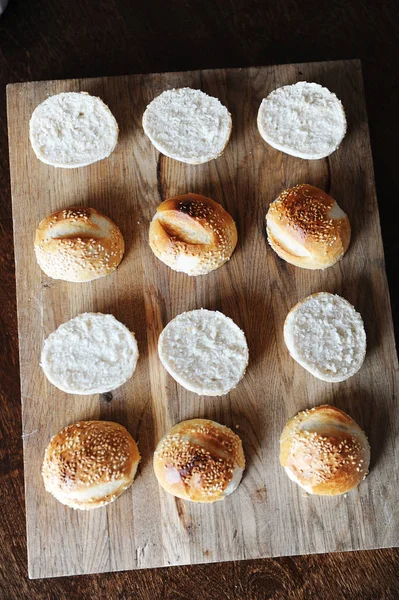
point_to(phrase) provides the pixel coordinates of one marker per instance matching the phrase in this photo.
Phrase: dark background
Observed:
(47, 39)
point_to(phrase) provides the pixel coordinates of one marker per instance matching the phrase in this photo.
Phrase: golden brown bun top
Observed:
(306, 208)
(325, 451)
(89, 455)
(193, 234)
(78, 244)
(201, 457)
(305, 216)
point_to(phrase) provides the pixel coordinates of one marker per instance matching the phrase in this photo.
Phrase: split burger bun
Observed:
(89, 464)
(306, 227)
(204, 351)
(187, 125)
(304, 120)
(78, 244)
(199, 460)
(90, 354)
(325, 335)
(324, 451)
(192, 234)
(72, 129)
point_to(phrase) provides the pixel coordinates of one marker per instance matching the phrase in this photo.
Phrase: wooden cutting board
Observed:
(268, 515)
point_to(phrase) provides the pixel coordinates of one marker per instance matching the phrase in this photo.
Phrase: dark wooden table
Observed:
(83, 38)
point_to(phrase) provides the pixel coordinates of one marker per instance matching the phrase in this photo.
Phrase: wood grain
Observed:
(268, 515)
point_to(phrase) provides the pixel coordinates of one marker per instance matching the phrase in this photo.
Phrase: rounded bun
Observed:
(78, 244)
(325, 334)
(304, 120)
(72, 129)
(307, 228)
(90, 354)
(192, 234)
(204, 351)
(90, 463)
(199, 460)
(324, 451)
(188, 125)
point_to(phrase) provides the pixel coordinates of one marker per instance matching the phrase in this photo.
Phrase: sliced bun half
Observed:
(72, 129)
(304, 120)
(199, 460)
(204, 351)
(89, 464)
(325, 334)
(188, 125)
(306, 227)
(78, 244)
(192, 234)
(90, 354)
(324, 451)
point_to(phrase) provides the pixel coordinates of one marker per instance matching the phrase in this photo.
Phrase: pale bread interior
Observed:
(325, 334)
(204, 351)
(304, 120)
(90, 354)
(187, 125)
(72, 129)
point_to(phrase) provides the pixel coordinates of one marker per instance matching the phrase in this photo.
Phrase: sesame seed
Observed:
(307, 212)
(189, 455)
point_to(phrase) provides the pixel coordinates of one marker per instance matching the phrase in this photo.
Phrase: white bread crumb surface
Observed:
(325, 334)
(72, 129)
(90, 354)
(304, 120)
(204, 351)
(187, 125)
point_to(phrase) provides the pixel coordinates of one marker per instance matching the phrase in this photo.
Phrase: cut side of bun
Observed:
(324, 451)
(78, 244)
(187, 125)
(325, 334)
(204, 351)
(72, 129)
(199, 460)
(305, 120)
(90, 354)
(192, 234)
(306, 227)
(89, 464)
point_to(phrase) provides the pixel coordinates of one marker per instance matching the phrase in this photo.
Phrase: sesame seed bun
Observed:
(89, 464)
(304, 120)
(324, 451)
(199, 460)
(72, 129)
(307, 228)
(192, 234)
(188, 125)
(325, 335)
(90, 354)
(204, 351)
(78, 244)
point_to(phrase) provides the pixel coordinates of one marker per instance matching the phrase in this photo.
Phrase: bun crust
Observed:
(89, 464)
(192, 234)
(72, 129)
(324, 451)
(78, 244)
(307, 228)
(199, 460)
